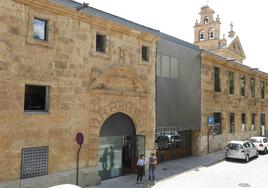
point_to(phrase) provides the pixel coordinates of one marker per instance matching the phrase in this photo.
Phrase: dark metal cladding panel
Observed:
(178, 100)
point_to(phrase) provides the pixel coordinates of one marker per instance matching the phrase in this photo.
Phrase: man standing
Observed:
(152, 165)
(140, 168)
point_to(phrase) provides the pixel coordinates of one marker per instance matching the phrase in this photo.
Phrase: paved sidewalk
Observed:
(165, 170)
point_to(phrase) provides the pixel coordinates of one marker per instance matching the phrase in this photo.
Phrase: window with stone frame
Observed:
(243, 85)
(40, 29)
(217, 81)
(36, 98)
(145, 53)
(253, 116)
(217, 126)
(232, 123)
(231, 82)
(243, 120)
(262, 88)
(100, 43)
(252, 87)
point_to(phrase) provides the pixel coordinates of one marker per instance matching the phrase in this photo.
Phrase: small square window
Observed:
(145, 53)
(100, 43)
(36, 98)
(40, 29)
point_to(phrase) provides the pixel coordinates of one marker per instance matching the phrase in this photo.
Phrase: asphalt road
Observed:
(225, 174)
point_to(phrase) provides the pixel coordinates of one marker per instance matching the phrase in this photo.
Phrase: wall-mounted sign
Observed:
(211, 120)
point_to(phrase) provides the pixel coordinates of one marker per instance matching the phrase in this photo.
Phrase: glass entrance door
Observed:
(133, 147)
(110, 156)
(127, 154)
(139, 150)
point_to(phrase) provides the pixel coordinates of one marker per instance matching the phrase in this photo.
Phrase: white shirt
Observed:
(141, 162)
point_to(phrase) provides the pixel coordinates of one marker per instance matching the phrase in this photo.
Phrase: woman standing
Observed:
(140, 168)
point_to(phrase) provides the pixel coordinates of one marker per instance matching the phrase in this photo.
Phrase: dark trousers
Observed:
(140, 170)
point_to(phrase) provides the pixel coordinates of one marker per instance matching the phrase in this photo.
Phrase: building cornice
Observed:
(59, 9)
(234, 64)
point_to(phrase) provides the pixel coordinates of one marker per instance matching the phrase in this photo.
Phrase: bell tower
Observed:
(207, 30)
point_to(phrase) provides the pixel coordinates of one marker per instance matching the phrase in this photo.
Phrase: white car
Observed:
(261, 143)
(65, 186)
(240, 150)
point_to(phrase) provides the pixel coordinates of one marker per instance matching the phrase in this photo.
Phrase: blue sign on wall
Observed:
(211, 120)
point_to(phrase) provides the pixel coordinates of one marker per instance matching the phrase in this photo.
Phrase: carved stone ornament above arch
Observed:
(118, 79)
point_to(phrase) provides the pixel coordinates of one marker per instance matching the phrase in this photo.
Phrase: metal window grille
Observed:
(34, 162)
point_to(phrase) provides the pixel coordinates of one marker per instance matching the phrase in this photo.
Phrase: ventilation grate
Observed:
(34, 162)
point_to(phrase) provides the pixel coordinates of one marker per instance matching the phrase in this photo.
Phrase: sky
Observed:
(177, 18)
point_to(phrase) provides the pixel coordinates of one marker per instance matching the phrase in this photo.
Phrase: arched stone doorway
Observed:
(118, 149)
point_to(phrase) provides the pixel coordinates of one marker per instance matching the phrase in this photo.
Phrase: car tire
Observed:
(265, 150)
(247, 158)
(257, 154)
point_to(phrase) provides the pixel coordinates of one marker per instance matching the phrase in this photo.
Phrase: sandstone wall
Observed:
(226, 103)
(85, 86)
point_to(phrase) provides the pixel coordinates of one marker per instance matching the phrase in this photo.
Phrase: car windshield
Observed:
(162, 138)
(255, 140)
(234, 146)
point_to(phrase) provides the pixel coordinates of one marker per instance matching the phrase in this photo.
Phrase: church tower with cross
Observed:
(207, 30)
(207, 35)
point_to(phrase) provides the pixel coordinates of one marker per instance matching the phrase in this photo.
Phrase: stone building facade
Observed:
(234, 93)
(67, 68)
(83, 85)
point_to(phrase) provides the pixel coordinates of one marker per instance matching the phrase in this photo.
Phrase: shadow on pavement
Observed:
(166, 170)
